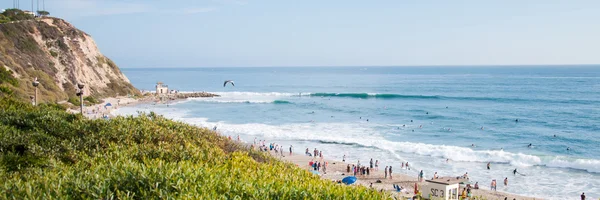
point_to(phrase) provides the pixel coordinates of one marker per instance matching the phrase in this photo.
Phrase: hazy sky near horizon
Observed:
(213, 33)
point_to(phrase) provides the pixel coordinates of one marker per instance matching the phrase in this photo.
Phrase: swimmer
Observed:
(568, 148)
(413, 130)
(554, 135)
(472, 145)
(516, 120)
(427, 113)
(367, 119)
(420, 126)
(446, 106)
(411, 120)
(530, 145)
(359, 117)
(482, 128)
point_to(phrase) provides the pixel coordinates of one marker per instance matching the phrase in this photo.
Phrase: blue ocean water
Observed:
(423, 115)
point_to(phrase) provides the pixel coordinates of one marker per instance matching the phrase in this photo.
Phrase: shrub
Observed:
(53, 53)
(91, 100)
(50, 154)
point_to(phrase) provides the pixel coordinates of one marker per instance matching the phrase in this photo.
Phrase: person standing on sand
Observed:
(348, 169)
(291, 149)
(386, 171)
(421, 176)
(371, 163)
(368, 171)
(376, 164)
(583, 196)
(390, 172)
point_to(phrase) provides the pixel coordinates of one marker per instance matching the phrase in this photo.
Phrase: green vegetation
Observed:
(53, 54)
(14, 15)
(46, 153)
(43, 13)
(91, 100)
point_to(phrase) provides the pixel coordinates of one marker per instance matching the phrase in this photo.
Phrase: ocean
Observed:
(423, 115)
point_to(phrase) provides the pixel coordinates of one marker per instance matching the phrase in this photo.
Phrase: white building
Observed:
(443, 188)
(29, 12)
(162, 89)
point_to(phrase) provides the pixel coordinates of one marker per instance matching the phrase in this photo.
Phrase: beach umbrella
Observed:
(108, 104)
(349, 180)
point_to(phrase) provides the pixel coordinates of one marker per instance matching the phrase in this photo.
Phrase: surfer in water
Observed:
(530, 145)
(515, 171)
(568, 148)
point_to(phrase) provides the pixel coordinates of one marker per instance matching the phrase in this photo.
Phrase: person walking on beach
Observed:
(402, 166)
(506, 181)
(390, 172)
(421, 176)
(386, 171)
(291, 149)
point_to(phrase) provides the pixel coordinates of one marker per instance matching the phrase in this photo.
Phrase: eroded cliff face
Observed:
(60, 56)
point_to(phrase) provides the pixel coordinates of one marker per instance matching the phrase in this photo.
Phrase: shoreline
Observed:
(336, 170)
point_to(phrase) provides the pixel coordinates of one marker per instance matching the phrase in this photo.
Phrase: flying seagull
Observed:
(228, 81)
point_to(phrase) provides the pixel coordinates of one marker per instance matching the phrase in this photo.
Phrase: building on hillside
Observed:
(161, 88)
(29, 12)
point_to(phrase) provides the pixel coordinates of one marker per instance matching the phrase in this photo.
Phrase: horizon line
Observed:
(352, 66)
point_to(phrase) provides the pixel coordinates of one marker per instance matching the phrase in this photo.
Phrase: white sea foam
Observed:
(348, 136)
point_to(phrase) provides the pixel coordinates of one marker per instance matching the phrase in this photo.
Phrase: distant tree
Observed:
(16, 14)
(43, 12)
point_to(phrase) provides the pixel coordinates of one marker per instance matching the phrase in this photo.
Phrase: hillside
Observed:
(60, 55)
(46, 153)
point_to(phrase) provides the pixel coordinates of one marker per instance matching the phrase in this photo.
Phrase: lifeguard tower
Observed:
(443, 188)
(161, 88)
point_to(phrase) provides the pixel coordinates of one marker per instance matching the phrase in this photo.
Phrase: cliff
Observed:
(60, 55)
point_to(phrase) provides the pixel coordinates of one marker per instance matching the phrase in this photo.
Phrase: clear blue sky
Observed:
(212, 33)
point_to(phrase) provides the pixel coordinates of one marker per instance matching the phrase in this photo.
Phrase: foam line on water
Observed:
(355, 134)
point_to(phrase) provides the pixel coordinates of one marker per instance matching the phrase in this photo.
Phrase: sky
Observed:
(244, 33)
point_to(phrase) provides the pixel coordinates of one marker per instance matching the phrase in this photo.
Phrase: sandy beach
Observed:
(336, 170)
